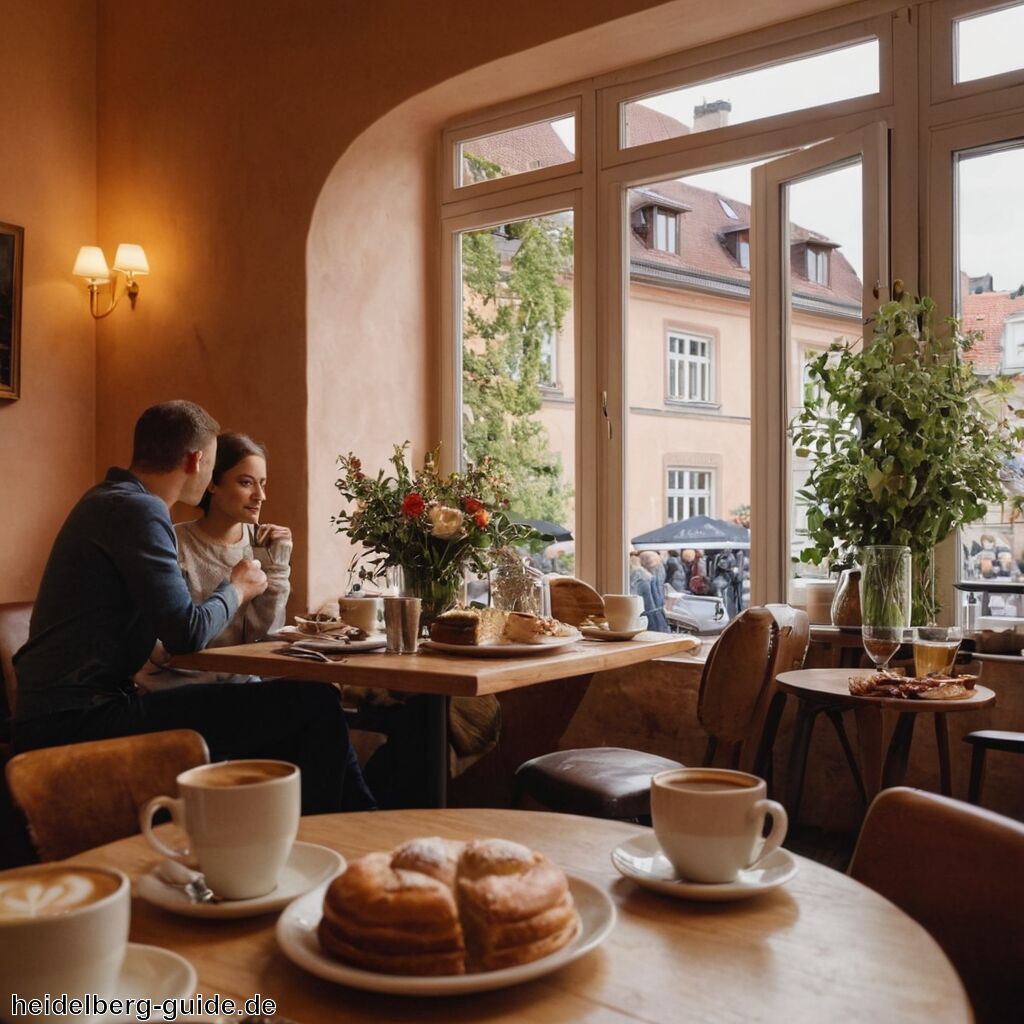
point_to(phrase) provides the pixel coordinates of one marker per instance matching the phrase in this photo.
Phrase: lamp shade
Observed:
(131, 259)
(91, 263)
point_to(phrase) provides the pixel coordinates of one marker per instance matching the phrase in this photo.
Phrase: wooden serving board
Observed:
(574, 601)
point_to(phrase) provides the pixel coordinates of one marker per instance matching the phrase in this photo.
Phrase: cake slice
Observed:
(470, 627)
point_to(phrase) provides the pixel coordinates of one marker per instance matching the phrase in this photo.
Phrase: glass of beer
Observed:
(935, 649)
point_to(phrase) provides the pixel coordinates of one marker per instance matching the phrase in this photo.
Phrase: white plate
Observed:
(150, 972)
(598, 633)
(329, 644)
(641, 860)
(556, 643)
(296, 935)
(308, 865)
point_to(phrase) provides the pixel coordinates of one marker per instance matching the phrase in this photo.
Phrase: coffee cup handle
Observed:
(176, 810)
(780, 824)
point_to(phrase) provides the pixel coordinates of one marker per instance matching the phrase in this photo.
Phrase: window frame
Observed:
(689, 494)
(685, 359)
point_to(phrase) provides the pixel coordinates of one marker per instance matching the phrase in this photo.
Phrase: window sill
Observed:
(683, 405)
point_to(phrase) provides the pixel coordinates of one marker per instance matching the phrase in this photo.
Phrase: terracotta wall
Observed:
(47, 186)
(220, 125)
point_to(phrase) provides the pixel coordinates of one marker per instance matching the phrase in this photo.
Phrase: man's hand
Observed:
(248, 579)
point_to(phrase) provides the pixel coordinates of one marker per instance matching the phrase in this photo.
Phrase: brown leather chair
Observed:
(81, 795)
(957, 870)
(613, 782)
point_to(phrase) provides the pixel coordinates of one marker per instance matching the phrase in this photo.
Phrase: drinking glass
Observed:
(881, 643)
(935, 649)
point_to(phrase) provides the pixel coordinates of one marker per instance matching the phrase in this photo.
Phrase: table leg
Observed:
(942, 745)
(869, 742)
(803, 726)
(437, 749)
(895, 769)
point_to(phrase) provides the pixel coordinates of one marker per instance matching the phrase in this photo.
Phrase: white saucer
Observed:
(640, 859)
(504, 650)
(296, 935)
(600, 633)
(308, 865)
(150, 972)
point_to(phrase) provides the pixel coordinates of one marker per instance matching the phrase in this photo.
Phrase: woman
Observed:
(209, 547)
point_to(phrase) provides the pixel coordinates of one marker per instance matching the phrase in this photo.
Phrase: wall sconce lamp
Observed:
(92, 265)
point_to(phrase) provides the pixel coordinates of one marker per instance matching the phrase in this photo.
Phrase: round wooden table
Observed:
(828, 689)
(822, 948)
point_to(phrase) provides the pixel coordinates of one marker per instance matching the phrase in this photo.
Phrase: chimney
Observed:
(711, 115)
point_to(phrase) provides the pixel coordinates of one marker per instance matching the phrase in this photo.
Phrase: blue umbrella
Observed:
(701, 532)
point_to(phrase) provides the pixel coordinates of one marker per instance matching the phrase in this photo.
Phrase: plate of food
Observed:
(436, 917)
(935, 686)
(491, 633)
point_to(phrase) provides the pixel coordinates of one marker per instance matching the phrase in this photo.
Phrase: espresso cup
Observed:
(709, 821)
(361, 612)
(241, 818)
(63, 930)
(622, 611)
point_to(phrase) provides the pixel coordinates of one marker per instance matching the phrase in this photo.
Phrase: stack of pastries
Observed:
(437, 907)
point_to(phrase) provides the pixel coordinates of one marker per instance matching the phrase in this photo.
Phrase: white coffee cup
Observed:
(63, 930)
(709, 821)
(623, 611)
(361, 612)
(241, 818)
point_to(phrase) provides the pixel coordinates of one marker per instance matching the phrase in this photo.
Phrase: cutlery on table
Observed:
(192, 882)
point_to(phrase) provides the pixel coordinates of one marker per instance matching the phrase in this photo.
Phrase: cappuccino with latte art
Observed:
(43, 891)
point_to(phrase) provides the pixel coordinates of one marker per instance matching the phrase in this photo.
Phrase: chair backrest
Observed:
(735, 674)
(14, 623)
(957, 870)
(82, 795)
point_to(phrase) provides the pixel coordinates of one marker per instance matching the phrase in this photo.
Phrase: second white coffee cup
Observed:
(623, 611)
(241, 818)
(709, 821)
(361, 612)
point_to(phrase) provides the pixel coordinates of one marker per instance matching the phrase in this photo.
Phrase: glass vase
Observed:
(436, 593)
(885, 585)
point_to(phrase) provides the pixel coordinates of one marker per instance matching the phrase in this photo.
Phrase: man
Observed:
(656, 619)
(112, 586)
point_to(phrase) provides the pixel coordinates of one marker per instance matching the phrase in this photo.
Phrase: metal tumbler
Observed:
(402, 624)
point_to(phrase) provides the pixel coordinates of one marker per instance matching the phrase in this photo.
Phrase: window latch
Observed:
(604, 412)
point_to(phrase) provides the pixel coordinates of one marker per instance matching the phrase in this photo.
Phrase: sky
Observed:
(990, 186)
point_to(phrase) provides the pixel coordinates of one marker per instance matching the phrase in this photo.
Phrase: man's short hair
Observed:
(166, 433)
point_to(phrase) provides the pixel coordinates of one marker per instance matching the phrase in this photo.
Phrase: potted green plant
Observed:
(905, 442)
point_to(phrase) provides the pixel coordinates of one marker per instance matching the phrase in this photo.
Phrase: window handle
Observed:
(604, 412)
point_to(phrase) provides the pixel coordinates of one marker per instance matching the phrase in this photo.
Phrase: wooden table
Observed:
(438, 675)
(828, 688)
(822, 948)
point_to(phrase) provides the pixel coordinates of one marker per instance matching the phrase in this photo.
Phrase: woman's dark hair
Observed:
(231, 449)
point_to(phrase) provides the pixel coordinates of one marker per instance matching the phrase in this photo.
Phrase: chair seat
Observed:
(601, 782)
(995, 739)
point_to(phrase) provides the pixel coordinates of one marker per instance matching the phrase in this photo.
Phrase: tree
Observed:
(513, 300)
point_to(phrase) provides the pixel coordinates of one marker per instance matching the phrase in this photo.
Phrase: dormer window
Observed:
(666, 230)
(737, 242)
(817, 265)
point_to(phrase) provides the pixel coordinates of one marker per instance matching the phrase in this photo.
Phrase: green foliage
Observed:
(479, 168)
(511, 309)
(905, 442)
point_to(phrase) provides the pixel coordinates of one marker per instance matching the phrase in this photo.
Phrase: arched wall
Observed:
(372, 256)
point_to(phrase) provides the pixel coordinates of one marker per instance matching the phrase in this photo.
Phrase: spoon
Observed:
(192, 882)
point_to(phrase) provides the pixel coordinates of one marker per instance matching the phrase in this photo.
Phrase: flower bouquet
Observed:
(434, 527)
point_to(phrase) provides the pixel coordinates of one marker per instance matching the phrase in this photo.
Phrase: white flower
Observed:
(445, 523)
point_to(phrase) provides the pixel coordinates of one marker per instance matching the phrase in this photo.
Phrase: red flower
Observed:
(482, 517)
(360, 475)
(413, 505)
(472, 505)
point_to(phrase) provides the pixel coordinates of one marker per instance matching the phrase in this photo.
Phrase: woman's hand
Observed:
(267, 533)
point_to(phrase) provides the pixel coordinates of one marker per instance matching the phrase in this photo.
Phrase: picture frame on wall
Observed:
(12, 244)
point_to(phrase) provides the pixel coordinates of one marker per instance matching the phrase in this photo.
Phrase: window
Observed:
(817, 265)
(809, 81)
(689, 368)
(989, 44)
(523, 149)
(549, 359)
(689, 493)
(666, 231)
(1013, 342)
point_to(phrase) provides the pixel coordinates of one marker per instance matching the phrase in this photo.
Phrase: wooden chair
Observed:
(574, 601)
(614, 782)
(82, 795)
(982, 742)
(955, 869)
